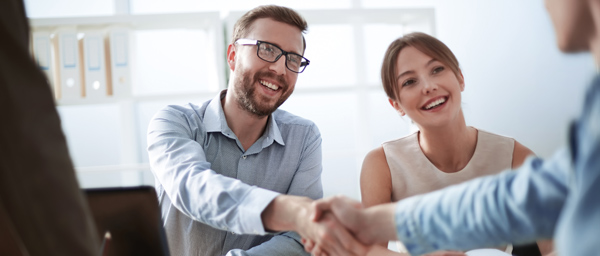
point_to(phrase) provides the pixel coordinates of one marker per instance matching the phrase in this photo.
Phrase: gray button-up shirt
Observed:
(211, 190)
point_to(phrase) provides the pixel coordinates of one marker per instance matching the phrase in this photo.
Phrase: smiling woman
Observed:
(423, 80)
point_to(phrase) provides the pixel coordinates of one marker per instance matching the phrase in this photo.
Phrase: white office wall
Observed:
(517, 81)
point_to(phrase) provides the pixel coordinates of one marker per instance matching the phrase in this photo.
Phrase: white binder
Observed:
(43, 53)
(94, 65)
(69, 85)
(119, 63)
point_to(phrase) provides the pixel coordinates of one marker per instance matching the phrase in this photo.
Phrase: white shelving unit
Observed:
(208, 21)
(132, 170)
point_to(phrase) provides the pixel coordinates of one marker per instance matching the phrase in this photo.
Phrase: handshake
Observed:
(337, 225)
(341, 226)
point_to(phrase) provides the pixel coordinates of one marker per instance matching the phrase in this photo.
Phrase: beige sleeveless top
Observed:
(412, 173)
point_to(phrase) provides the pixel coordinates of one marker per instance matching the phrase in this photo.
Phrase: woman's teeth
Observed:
(435, 103)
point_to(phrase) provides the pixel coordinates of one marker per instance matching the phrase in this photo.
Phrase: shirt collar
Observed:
(214, 121)
(273, 132)
(214, 117)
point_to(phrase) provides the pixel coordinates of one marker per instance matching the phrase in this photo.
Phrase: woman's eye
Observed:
(408, 82)
(437, 70)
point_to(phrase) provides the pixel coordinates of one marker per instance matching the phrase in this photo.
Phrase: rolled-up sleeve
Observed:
(511, 207)
(179, 164)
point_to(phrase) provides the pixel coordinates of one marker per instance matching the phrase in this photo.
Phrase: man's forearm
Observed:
(286, 212)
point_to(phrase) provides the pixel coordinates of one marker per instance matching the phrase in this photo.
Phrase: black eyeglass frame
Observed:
(245, 41)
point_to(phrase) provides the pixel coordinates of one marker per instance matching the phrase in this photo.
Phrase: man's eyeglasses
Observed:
(271, 53)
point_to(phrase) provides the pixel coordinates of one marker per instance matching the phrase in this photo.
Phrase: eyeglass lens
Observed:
(272, 53)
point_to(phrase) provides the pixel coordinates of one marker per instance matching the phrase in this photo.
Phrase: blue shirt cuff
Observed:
(407, 227)
(255, 203)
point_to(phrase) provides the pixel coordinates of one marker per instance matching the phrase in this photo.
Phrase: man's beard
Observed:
(249, 101)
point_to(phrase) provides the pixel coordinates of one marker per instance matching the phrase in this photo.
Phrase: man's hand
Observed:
(369, 226)
(331, 238)
(295, 213)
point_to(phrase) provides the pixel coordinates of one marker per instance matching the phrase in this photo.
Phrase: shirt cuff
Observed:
(254, 204)
(407, 227)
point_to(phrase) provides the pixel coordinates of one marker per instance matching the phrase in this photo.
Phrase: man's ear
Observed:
(231, 57)
(396, 106)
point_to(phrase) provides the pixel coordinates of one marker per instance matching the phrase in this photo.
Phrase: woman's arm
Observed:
(375, 179)
(520, 153)
(376, 189)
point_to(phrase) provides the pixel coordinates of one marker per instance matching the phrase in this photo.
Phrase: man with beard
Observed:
(235, 169)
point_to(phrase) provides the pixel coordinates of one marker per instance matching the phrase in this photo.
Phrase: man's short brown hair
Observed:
(277, 13)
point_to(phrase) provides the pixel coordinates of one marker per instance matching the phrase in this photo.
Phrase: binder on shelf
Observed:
(43, 53)
(93, 74)
(68, 79)
(119, 72)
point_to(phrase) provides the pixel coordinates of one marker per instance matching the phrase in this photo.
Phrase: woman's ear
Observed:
(396, 106)
(461, 80)
(231, 57)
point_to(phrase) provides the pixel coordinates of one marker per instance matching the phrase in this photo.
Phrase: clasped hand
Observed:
(338, 227)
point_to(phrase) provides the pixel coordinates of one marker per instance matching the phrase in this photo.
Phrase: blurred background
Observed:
(518, 84)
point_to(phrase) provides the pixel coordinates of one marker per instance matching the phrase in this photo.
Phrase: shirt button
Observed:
(233, 233)
(244, 157)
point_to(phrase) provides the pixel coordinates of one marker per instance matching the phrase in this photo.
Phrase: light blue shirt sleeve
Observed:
(512, 207)
(577, 232)
(180, 165)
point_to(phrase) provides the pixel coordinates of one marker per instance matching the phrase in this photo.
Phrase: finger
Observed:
(349, 244)
(316, 251)
(321, 252)
(338, 240)
(346, 213)
(326, 204)
(326, 239)
(320, 206)
(308, 245)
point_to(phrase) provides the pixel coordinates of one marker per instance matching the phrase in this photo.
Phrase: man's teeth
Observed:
(269, 85)
(435, 103)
